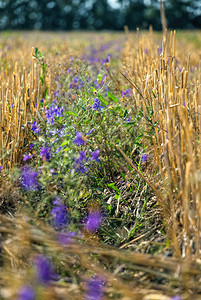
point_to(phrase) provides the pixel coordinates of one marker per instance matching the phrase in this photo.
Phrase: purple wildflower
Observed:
(160, 50)
(118, 48)
(45, 153)
(177, 297)
(79, 163)
(78, 139)
(95, 154)
(97, 105)
(104, 47)
(93, 59)
(65, 238)
(81, 169)
(81, 158)
(26, 293)
(76, 83)
(52, 112)
(90, 131)
(59, 213)
(103, 80)
(127, 92)
(42, 100)
(93, 221)
(96, 84)
(44, 271)
(26, 157)
(35, 127)
(31, 146)
(146, 51)
(58, 149)
(128, 119)
(95, 289)
(1, 168)
(29, 178)
(81, 83)
(56, 93)
(107, 60)
(144, 157)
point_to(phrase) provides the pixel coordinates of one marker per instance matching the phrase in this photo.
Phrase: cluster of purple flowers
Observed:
(52, 112)
(56, 132)
(45, 273)
(27, 157)
(57, 93)
(45, 153)
(96, 55)
(78, 139)
(29, 179)
(44, 270)
(127, 92)
(59, 214)
(95, 288)
(93, 57)
(79, 163)
(79, 167)
(106, 60)
(77, 83)
(99, 82)
(144, 157)
(26, 293)
(93, 220)
(35, 128)
(95, 155)
(66, 238)
(97, 105)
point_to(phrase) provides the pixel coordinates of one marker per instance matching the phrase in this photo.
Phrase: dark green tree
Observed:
(97, 14)
(180, 13)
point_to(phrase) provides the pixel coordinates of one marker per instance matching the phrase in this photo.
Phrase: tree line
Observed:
(97, 14)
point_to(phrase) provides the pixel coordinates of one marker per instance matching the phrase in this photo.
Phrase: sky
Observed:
(113, 3)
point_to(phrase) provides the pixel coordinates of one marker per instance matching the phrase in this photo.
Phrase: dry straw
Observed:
(127, 274)
(20, 92)
(164, 81)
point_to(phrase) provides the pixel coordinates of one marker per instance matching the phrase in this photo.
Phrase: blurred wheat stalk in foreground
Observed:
(81, 258)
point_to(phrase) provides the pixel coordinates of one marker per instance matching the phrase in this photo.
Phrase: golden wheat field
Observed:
(160, 258)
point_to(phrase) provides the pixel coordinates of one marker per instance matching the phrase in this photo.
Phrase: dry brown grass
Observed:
(177, 123)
